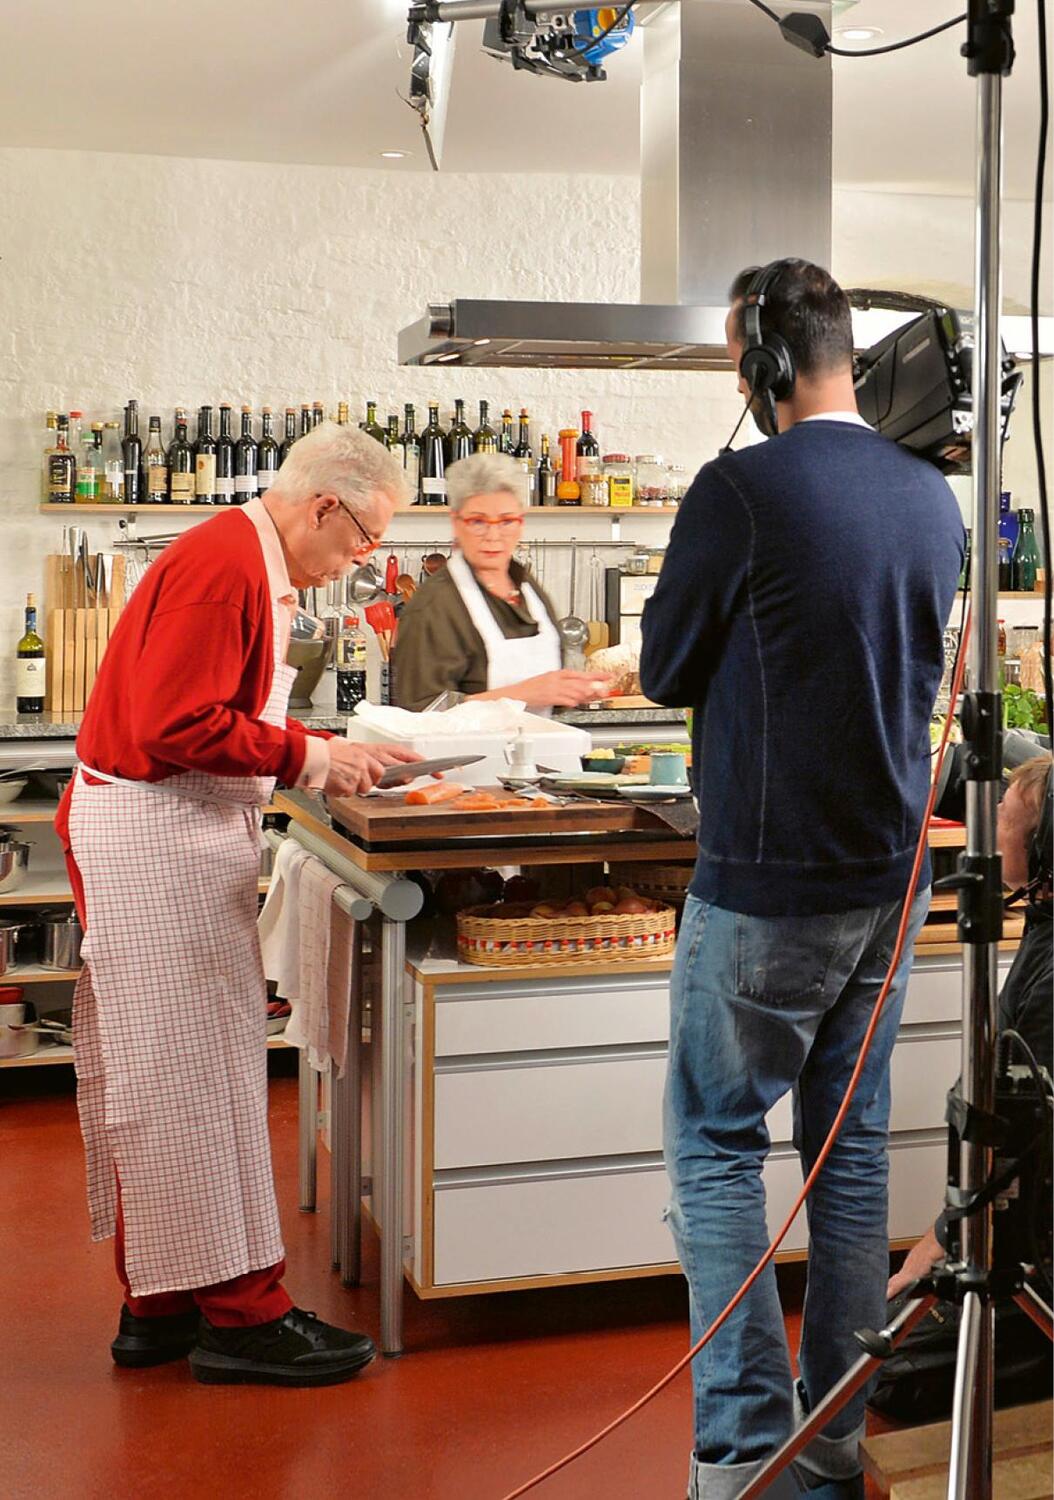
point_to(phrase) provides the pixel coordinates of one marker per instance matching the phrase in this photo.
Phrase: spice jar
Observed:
(618, 470)
(676, 483)
(651, 480)
(593, 487)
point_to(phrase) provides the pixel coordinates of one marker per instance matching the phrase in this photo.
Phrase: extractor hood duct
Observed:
(735, 169)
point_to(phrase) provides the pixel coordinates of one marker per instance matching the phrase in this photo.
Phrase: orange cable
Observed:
(832, 1136)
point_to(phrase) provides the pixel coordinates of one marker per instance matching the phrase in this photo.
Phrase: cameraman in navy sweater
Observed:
(800, 613)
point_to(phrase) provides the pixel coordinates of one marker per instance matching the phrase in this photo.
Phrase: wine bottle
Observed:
(181, 477)
(318, 414)
(31, 671)
(587, 449)
(342, 414)
(155, 466)
(545, 476)
(290, 434)
(371, 427)
(411, 449)
(506, 443)
(132, 453)
(224, 459)
(391, 437)
(523, 454)
(62, 466)
(267, 456)
(50, 433)
(205, 460)
(113, 464)
(484, 439)
(245, 460)
(433, 460)
(1026, 552)
(459, 438)
(351, 665)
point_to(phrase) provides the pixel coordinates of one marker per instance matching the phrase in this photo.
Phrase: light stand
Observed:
(967, 1277)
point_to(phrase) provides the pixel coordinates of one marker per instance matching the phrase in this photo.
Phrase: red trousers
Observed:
(256, 1297)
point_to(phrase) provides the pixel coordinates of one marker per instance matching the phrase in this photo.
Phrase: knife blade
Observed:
(399, 775)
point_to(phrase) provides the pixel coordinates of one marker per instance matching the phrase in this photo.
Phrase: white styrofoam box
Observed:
(559, 746)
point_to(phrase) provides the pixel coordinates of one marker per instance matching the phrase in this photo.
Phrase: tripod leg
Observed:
(970, 1471)
(856, 1376)
(1032, 1303)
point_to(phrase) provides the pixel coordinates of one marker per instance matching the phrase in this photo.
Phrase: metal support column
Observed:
(390, 1166)
(307, 1130)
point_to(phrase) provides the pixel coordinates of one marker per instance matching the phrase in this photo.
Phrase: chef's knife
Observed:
(400, 774)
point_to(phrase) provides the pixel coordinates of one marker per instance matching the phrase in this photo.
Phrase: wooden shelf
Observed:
(51, 1056)
(36, 974)
(28, 810)
(134, 510)
(1036, 594)
(51, 888)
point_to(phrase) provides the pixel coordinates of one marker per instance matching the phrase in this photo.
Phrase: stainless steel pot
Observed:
(16, 1038)
(14, 859)
(8, 934)
(62, 942)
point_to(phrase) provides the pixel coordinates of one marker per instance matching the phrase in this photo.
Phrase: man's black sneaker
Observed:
(142, 1342)
(298, 1349)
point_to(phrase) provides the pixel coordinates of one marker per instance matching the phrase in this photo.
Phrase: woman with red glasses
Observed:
(482, 626)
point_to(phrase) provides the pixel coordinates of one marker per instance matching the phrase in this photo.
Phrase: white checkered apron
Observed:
(170, 1021)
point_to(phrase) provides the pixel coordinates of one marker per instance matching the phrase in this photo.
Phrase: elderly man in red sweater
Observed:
(182, 742)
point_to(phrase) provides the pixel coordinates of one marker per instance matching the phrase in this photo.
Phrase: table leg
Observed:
(350, 1087)
(390, 1147)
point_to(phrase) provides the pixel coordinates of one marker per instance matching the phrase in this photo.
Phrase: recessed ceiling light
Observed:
(398, 155)
(858, 33)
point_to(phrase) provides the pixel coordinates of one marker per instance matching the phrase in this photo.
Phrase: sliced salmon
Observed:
(440, 791)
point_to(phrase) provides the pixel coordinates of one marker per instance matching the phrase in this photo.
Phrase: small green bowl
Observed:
(612, 763)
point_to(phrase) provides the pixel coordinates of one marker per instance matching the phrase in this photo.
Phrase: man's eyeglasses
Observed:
(480, 525)
(372, 543)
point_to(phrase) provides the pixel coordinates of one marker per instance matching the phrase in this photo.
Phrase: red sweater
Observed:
(189, 668)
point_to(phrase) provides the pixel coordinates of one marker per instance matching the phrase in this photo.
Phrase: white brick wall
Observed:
(179, 281)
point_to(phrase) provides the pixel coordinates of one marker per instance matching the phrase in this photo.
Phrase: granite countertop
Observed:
(584, 717)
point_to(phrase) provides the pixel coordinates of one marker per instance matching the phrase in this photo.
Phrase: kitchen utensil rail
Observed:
(394, 897)
(360, 908)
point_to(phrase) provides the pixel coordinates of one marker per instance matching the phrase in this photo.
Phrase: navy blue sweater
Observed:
(800, 613)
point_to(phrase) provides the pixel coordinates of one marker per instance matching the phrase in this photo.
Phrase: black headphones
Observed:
(767, 364)
(1039, 850)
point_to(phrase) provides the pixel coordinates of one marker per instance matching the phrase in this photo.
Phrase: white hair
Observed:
(483, 474)
(342, 461)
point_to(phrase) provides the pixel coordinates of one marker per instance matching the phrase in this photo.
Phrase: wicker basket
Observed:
(508, 934)
(666, 883)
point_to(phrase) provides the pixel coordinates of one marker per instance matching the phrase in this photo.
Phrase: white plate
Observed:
(651, 793)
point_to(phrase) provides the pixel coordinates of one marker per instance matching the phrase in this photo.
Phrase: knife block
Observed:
(77, 633)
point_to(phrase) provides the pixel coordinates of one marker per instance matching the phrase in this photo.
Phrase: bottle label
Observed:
(205, 474)
(435, 487)
(30, 677)
(61, 479)
(156, 481)
(181, 488)
(85, 486)
(225, 487)
(244, 484)
(264, 479)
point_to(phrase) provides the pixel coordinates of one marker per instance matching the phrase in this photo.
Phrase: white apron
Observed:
(508, 661)
(169, 1021)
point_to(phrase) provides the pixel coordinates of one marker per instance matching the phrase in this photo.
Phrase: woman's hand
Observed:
(562, 689)
(355, 767)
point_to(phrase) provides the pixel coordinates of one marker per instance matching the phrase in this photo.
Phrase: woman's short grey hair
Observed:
(341, 461)
(484, 474)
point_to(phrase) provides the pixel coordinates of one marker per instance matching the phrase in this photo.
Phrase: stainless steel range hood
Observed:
(735, 169)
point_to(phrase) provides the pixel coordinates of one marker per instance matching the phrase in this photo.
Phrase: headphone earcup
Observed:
(778, 350)
(759, 368)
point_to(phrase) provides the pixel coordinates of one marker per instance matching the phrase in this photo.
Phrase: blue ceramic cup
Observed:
(669, 768)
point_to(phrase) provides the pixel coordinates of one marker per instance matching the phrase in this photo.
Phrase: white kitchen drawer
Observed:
(541, 1111)
(607, 1106)
(917, 1173)
(558, 1014)
(923, 1069)
(935, 990)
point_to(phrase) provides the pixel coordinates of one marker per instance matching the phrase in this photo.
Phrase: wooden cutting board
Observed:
(377, 820)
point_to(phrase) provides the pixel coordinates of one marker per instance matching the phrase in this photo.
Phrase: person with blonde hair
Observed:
(181, 745)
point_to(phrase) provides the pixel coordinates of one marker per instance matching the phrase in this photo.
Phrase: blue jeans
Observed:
(760, 1005)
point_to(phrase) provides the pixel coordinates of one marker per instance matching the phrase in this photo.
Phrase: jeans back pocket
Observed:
(783, 960)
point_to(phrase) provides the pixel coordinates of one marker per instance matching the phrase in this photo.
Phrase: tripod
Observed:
(969, 1277)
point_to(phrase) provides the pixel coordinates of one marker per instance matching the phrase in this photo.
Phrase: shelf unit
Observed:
(412, 510)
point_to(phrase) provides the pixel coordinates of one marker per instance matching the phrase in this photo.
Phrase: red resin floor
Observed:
(493, 1388)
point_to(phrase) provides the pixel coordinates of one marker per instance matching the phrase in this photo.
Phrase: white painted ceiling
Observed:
(320, 82)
